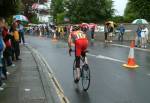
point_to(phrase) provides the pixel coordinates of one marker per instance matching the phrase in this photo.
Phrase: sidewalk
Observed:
(24, 84)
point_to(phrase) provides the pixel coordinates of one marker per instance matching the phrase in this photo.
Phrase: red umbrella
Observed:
(84, 25)
(92, 25)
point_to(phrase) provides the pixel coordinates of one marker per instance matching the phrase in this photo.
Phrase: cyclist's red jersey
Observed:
(81, 42)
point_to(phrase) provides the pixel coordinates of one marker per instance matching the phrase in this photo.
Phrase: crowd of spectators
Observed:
(10, 38)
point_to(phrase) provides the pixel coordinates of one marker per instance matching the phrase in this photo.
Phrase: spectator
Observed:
(92, 32)
(138, 37)
(15, 41)
(121, 32)
(110, 32)
(143, 37)
(2, 48)
(147, 32)
(106, 32)
(21, 33)
(8, 51)
(48, 31)
(31, 31)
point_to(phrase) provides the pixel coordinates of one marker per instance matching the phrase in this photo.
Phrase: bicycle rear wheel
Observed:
(85, 77)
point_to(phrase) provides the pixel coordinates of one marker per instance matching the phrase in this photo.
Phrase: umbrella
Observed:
(92, 25)
(113, 24)
(23, 19)
(140, 21)
(110, 23)
(84, 25)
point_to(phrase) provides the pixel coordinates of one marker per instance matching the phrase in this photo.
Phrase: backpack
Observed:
(1, 45)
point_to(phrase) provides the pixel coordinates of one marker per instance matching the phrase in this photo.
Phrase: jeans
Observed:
(0, 69)
(138, 41)
(106, 34)
(0, 76)
(4, 69)
(120, 37)
(16, 49)
(21, 36)
(7, 55)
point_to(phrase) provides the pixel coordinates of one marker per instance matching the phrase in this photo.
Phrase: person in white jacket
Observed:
(146, 33)
(144, 36)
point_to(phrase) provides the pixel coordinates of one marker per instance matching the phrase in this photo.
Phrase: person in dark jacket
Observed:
(15, 41)
(121, 32)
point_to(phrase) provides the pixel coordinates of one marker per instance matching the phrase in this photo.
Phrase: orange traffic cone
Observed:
(54, 37)
(131, 60)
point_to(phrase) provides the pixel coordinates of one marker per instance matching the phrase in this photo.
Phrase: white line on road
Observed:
(147, 50)
(106, 58)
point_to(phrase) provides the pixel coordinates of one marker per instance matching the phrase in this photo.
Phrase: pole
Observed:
(38, 12)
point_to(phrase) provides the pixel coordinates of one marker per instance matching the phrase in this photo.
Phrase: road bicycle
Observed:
(84, 73)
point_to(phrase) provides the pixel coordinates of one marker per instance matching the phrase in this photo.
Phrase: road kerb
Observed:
(56, 85)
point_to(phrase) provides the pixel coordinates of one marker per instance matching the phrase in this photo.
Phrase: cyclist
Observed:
(78, 39)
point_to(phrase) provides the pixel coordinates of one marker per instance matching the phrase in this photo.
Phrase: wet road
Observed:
(110, 82)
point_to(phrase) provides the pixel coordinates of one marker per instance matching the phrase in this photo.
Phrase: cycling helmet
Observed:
(76, 27)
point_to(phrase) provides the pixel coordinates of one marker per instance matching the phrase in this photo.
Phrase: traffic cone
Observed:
(54, 37)
(131, 60)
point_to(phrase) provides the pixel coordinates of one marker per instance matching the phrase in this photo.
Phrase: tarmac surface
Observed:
(24, 84)
(110, 81)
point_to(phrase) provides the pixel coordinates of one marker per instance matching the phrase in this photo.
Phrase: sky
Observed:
(120, 6)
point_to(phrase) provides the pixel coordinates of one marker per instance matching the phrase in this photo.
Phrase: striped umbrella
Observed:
(140, 21)
(23, 19)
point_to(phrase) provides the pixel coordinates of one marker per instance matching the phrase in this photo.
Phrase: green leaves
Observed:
(90, 10)
(9, 7)
(83, 10)
(138, 9)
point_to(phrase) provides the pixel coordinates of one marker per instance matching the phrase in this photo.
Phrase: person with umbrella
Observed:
(143, 36)
(106, 32)
(110, 30)
(22, 20)
(21, 32)
(92, 30)
(15, 40)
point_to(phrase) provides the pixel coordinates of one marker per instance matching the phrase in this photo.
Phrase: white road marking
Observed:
(27, 90)
(106, 58)
(147, 50)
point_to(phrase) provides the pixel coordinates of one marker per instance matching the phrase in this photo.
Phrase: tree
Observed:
(83, 10)
(138, 9)
(57, 8)
(89, 10)
(9, 7)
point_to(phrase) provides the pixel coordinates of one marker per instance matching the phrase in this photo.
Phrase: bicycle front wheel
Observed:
(85, 77)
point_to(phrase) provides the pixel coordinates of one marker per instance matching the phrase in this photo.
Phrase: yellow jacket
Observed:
(16, 35)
